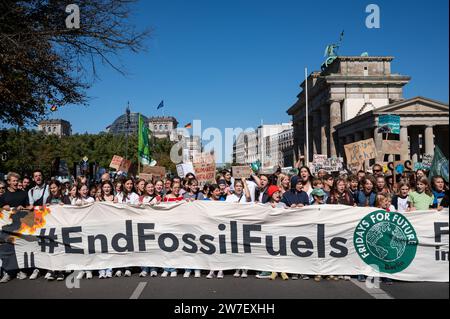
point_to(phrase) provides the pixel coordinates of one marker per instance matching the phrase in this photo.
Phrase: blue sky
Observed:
(234, 63)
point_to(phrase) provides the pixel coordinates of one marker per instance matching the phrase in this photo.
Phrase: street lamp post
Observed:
(128, 128)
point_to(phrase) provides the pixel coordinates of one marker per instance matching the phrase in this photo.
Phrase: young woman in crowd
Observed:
(295, 197)
(118, 187)
(400, 201)
(167, 186)
(214, 194)
(381, 186)
(193, 191)
(93, 191)
(241, 193)
(106, 192)
(384, 201)
(422, 198)
(306, 177)
(151, 197)
(284, 183)
(438, 189)
(127, 195)
(353, 186)
(83, 197)
(274, 201)
(263, 184)
(56, 197)
(420, 173)
(106, 195)
(140, 189)
(366, 197)
(159, 189)
(340, 194)
(328, 182)
(174, 196)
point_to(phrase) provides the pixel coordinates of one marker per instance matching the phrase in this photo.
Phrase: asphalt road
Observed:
(227, 288)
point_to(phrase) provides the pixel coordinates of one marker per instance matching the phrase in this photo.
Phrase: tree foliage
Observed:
(27, 150)
(43, 63)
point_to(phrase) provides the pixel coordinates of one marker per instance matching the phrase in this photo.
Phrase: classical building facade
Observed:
(163, 127)
(352, 89)
(55, 127)
(424, 123)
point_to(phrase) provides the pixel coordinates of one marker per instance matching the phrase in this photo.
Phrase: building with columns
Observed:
(423, 124)
(340, 96)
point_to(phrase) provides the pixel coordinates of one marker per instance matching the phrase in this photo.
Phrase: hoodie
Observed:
(295, 197)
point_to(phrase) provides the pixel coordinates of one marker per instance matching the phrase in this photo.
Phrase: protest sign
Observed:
(205, 168)
(125, 165)
(326, 240)
(184, 169)
(146, 177)
(427, 159)
(394, 147)
(116, 162)
(241, 172)
(361, 151)
(159, 171)
(389, 124)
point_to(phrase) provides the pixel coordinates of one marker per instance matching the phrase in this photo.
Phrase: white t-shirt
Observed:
(150, 200)
(233, 198)
(132, 198)
(402, 204)
(252, 189)
(84, 201)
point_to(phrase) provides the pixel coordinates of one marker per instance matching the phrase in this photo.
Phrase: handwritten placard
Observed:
(241, 172)
(361, 151)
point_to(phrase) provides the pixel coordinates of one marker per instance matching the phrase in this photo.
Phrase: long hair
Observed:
(335, 195)
(310, 179)
(424, 181)
(59, 195)
(102, 196)
(124, 190)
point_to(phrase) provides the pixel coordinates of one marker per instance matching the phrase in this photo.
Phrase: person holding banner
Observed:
(261, 195)
(174, 196)
(381, 186)
(284, 183)
(306, 177)
(159, 189)
(400, 201)
(83, 197)
(295, 197)
(56, 196)
(366, 197)
(140, 189)
(127, 195)
(438, 188)
(339, 194)
(150, 196)
(353, 186)
(422, 198)
(241, 193)
(193, 192)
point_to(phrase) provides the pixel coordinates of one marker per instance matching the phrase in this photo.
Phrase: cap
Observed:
(318, 192)
(272, 190)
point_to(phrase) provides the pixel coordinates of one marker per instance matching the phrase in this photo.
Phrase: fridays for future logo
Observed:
(386, 240)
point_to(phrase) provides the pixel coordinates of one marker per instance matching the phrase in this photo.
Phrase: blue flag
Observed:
(161, 105)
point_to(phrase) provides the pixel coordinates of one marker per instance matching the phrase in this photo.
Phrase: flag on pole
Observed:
(161, 105)
(189, 125)
(143, 144)
(439, 165)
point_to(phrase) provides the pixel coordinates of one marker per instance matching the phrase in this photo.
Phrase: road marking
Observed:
(137, 292)
(377, 293)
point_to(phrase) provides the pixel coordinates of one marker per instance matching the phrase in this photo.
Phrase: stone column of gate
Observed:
(324, 112)
(335, 120)
(429, 140)
(378, 139)
(367, 134)
(316, 132)
(404, 139)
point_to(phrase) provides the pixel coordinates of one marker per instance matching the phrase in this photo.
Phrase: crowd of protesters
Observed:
(410, 192)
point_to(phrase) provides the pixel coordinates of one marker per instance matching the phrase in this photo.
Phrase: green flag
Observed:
(439, 165)
(143, 145)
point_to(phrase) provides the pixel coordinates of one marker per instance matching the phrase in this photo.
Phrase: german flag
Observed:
(189, 125)
(54, 108)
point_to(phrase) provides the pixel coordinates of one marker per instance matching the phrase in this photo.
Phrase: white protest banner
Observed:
(205, 168)
(360, 151)
(325, 240)
(184, 169)
(241, 172)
